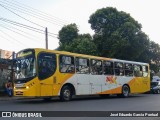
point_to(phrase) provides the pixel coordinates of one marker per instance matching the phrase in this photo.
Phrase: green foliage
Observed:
(117, 35)
(83, 45)
(154, 52)
(108, 20)
(68, 33)
(155, 68)
(71, 41)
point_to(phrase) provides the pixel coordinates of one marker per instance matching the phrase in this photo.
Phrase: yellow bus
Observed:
(48, 73)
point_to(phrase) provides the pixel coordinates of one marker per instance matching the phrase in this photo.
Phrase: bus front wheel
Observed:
(66, 94)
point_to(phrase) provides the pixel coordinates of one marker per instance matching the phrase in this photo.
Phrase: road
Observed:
(138, 102)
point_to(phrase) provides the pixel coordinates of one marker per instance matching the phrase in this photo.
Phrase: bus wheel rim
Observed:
(67, 94)
(125, 91)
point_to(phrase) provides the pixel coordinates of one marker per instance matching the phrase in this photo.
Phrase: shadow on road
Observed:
(75, 99)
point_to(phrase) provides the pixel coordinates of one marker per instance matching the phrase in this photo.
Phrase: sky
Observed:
(58, 13)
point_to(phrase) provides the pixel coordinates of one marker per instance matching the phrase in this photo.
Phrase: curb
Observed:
(6, 98)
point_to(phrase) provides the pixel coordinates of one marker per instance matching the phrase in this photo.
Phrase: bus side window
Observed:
(82, 65)
(128, 69)
(145, 71)
(108, 67)
(118, 68)
(66, 64)
(96, 67)
(138, 70)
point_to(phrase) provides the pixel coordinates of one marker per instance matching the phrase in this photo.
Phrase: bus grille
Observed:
(19, 93)
(20, 87)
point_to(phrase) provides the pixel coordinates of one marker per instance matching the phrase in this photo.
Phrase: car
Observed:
(155, 85)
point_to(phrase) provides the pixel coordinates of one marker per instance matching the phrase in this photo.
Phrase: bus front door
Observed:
(46, 89)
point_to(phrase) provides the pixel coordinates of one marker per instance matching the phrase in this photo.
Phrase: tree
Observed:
(71, 41)
(154, 53)
(118, 35)
(67, 34)
(83, 45)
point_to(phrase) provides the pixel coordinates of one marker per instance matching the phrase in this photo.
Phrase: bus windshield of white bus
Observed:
(25, 65)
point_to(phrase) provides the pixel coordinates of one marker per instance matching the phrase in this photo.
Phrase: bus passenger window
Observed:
(128, 69)
(82, 65)
(96, 67)
(137, 70)
(145, 71)
(108, 68)
(67, 64)
(118, 68)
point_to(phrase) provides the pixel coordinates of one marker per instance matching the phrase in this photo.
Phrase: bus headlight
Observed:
(27, 87)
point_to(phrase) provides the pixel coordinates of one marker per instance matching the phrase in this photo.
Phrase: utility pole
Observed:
(46, 37)
(12, 68)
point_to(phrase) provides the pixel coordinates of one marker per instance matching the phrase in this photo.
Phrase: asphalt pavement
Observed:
(5, 97)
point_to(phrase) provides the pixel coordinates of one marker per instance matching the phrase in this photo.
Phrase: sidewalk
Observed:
(7, 98)
(4, 97)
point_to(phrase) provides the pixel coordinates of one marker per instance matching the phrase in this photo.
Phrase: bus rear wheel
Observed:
(125, 91)
(66, 94)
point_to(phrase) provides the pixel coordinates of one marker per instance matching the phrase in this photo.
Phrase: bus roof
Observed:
(132, 62)
(88, 56)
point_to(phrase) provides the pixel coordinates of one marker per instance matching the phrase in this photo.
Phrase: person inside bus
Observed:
(43, 67)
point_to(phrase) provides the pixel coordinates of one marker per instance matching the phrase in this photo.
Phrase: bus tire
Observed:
(66, 93)
(125, 91)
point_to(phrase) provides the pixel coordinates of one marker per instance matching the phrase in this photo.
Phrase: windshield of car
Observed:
(25, 67)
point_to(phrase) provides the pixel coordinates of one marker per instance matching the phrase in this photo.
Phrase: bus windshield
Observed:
(25, 67)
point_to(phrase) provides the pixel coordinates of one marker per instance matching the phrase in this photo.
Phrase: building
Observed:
(5, 67)
(6, 54)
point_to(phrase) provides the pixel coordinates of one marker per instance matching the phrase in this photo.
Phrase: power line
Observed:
(35, 11)
(19, 42)
(21, 25)
(25, 36)
(27, 12)
(27, 27)
(6, 38)
(21, 16)
(22, 35)
(9, 26)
